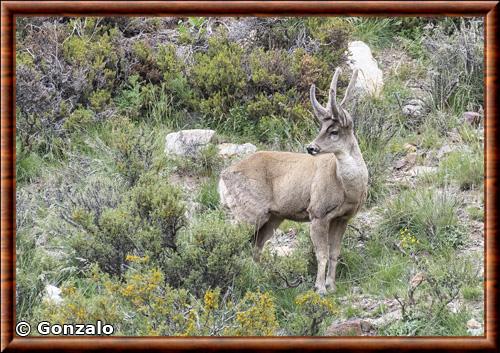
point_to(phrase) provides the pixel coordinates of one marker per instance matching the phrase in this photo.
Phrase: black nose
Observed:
(311, 149)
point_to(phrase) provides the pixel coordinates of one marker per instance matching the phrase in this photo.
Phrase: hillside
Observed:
(113, 226)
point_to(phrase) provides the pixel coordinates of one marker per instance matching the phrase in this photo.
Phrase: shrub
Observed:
(291, 270)
(429, 215)
(312, 309)
(143, 304)
(209, 254)
(79, 119)
(466, 169)
(205, 162)
(67, 71)
(256, 317)
(457, 63)
(131, 149)
(272, 70)
(219, 77)
(374, 122)
(140, 305)
(145, 221)
(432, 285)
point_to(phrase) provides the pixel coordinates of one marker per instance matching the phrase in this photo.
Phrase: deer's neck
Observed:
(351, 166)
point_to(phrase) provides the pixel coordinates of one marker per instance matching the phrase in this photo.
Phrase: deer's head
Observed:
(336, 132)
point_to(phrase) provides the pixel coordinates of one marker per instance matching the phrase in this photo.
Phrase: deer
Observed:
(326, 186)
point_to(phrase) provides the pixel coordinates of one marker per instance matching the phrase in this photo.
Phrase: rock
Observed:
(417, 279)
(411, 158)
(386, 318)
(474, 328)
(443, 150)
(473, 324)
(232, 149)
(407, 161)
(454, 135)
(414, 108)
(188, 142)
(283, 244)
(472, 118)
(370, 78)
(410, 147)
(420, 170)
(354, 327)
(52, 294)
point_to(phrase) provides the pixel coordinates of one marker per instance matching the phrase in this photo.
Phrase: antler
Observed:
(318, 108)
(350, 87)
(332, 98)
(332, 107)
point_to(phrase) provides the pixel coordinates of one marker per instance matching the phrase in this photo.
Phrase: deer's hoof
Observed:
(320, 290)
(331, 287)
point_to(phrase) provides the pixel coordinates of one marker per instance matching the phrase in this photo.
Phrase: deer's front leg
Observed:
(335, 235)
(319, 237)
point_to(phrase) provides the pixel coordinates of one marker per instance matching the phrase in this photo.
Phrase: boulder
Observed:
(472, 118)
(370, 78)
(232, 149)
(354, 327)
(188, 142)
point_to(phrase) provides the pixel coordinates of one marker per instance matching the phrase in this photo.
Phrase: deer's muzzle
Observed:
(312, 149)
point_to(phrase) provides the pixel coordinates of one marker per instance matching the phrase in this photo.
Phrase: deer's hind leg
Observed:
(263, 234)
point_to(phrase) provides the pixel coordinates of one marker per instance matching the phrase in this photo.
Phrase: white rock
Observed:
(188, 142)
(232, 149)
(52, 294)
(420, 170)
(370, 78)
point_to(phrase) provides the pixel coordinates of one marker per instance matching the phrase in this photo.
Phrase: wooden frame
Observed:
(9, 9)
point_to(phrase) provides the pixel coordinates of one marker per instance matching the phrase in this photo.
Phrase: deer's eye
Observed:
(334, 132)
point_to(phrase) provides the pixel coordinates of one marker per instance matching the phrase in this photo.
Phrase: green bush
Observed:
(428, 215)
(465, 169)
(309, 314)
(79, 119)
(131, 147)
(375, 126)
(424, 301)
(209, 254)
(143, 304)
(145, 221)
(457, 66)
(219, 70)
(208, 195)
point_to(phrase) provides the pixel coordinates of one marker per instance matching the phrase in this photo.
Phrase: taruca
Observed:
(326, 187)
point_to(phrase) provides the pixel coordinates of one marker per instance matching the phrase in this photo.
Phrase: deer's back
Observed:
(279, 183)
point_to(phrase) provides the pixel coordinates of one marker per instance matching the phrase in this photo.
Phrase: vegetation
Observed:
(138, 239)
